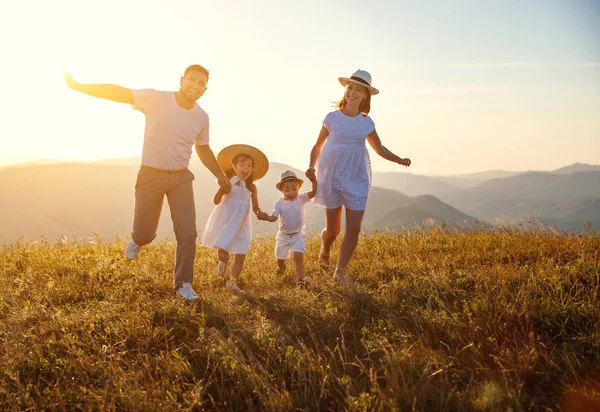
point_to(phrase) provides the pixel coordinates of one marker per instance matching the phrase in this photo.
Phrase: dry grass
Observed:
(489, 320)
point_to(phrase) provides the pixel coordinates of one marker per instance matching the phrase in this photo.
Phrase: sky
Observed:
(465, 85)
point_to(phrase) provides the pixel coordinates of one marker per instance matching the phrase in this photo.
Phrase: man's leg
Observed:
(183, 215)
(150, 191)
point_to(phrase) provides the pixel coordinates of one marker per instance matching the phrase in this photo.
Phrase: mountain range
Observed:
(85, 199)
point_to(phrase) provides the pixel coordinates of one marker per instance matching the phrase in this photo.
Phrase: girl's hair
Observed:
(365, 105)
(240, 158)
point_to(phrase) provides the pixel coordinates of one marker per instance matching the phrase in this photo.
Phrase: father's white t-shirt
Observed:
(171, 131)
(291, 213)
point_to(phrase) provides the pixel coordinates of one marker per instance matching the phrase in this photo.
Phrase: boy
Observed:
(290, 208)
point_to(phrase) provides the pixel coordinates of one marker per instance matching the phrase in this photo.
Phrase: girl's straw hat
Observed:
(361, 77)
(286, 177)
(261, 163)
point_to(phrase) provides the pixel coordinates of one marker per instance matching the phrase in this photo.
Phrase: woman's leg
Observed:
(353, 222)
(333, 223)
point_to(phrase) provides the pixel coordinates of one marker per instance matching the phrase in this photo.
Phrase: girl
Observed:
(344, 169)
(228, 228)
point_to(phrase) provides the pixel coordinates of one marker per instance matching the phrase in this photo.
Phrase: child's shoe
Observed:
(233, 286)
(300, 283)
(221, 268)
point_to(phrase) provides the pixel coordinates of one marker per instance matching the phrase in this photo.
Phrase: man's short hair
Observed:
(196, 68)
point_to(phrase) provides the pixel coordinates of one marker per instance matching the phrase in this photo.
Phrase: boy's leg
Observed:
(183, 214)
(280, 266)
(299, 261)
(150, 188)
(282, 251)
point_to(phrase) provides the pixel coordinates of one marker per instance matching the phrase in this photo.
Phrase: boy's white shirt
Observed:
(291, 213)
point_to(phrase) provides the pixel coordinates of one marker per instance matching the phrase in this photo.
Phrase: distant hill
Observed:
(412, 185)
(469, 180)
(84, 199)
(424, 208)
(550, 195)
(577, 167)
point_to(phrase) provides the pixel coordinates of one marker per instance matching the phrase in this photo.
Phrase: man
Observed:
(174, 123)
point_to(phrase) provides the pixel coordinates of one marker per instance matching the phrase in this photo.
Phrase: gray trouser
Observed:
(150, 189)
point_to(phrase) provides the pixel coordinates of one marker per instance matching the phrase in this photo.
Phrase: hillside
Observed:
(424, 208)
(83, 199)
(494, 320)
(530, 193)
(470, 180)
(577, 167)
(412, 185)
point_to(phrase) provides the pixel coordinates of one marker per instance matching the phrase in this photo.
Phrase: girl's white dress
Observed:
(344, 166)
(229, 226)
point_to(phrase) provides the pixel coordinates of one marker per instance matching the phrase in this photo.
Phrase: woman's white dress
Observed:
(344, 167)
(229, 226)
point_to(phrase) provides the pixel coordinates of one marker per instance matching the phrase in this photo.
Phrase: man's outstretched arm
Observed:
(103, 91)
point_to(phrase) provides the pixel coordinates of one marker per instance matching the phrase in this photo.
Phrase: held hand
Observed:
(404, 162)
(310, 174)
(224, 184)
(262, 216)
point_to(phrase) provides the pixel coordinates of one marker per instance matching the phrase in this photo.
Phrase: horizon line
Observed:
(51, 161)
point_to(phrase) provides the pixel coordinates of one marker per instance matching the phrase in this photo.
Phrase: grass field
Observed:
(489, 320)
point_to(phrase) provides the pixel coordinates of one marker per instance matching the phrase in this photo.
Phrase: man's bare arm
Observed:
(104, 91)
(207, 157)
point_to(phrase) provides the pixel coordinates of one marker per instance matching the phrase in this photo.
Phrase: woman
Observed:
(343, 168)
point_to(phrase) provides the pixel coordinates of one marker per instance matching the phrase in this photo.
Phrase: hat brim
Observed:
(261, 163)
(345, 80)
(288, 179)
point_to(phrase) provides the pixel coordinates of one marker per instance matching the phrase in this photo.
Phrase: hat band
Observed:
(358, 79)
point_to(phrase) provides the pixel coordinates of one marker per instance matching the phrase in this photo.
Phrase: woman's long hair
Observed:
(240, 158)
(365, 105)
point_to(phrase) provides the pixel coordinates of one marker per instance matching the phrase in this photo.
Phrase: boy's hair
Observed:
(196, 68)
(240, 158)
(283, 184)
(364, 108)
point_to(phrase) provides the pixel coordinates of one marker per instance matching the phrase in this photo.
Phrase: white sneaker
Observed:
(186, 292)
(221, 268)
(132, 250)
(232, 286)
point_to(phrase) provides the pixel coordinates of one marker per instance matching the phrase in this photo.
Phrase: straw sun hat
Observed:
(361, 77)
(261, 163)
(287, 176)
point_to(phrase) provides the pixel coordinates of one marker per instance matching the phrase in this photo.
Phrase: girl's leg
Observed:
(238, 265)
(353, 222)
(333, 223)
(280, 266)
(299, 261)
(223, 255)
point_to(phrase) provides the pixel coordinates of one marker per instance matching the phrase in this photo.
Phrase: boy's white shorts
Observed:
(284, 244)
